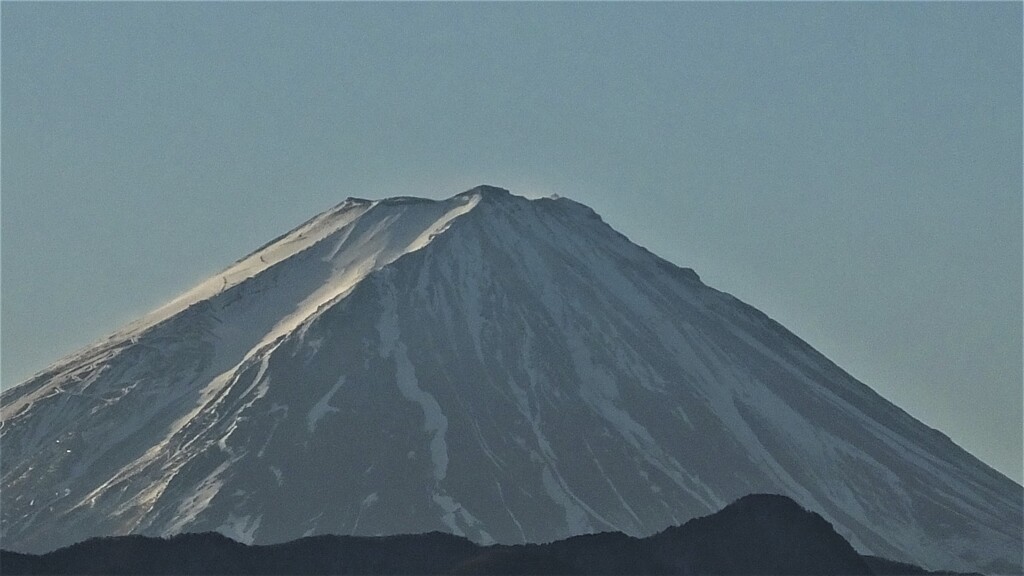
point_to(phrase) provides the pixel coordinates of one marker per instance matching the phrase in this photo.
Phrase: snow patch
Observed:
(453, 513)
(240, 528)
(370, 500)
(576, 519)
(322, 406)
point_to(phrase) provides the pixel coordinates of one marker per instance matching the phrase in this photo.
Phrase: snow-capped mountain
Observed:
(507, 369)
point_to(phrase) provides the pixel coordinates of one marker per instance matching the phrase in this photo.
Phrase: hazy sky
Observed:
(853, 170)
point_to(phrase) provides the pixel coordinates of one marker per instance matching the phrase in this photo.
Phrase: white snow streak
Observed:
(322, 407)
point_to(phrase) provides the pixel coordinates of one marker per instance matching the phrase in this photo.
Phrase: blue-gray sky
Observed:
(853, 170)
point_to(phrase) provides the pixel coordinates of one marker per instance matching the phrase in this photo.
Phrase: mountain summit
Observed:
(506, 369)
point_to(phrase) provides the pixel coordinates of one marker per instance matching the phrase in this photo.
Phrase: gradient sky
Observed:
(853, 170)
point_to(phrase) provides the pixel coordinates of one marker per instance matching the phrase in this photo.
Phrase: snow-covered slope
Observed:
(507, 369)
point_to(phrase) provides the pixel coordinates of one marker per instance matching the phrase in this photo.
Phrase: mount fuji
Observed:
(506, 369)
